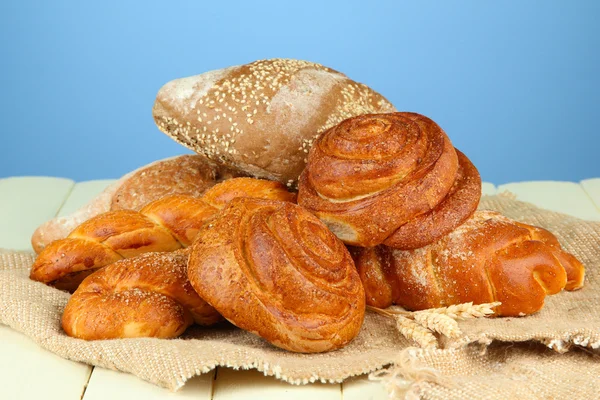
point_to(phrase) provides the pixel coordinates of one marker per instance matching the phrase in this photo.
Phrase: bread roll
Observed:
(166, 224)
(261, 118)
(272, 268)
(489, 258)
(187, 174)
(145, 296)
(389, 178)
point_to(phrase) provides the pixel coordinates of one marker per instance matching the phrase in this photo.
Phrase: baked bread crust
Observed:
(189, 175)
(261, 118)
(146, 296)
(489, 258)
(273, 269)
(166, 224)
(389, 178)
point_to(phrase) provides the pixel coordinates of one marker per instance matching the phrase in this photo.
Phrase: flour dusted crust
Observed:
(261, 118)
(488, 258)
(187, 174)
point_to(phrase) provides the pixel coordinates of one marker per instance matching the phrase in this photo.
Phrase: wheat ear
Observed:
(411, 330)
(466, 310)
(421, 325)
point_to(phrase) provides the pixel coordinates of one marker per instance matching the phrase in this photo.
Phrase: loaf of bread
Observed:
(389, 178)
(261, 118)
(488, 258)
(145, 296)
(188, 174)
(167, 224)
(272, 268)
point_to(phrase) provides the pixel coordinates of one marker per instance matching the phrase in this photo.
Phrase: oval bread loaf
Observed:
(261, 118)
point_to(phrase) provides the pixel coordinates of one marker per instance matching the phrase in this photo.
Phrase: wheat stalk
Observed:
(466, 310)
(412, 330)
(439, 323)
(421, 325)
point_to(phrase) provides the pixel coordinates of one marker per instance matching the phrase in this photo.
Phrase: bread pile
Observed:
(385, 213)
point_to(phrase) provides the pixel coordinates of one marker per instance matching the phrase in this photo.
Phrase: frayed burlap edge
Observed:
(524, 370)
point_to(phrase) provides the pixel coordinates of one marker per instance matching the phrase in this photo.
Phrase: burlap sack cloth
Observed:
(466, 368)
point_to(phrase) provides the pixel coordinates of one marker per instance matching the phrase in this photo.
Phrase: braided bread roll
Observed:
(488, 258)
(389, 178)
(145, 296)
(272, 268)
(166, 224)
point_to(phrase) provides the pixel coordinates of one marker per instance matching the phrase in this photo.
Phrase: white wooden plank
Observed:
(251, 384)
(82, 193)
(29, 372)
(565, 197)
(114, 385)
(106, 384)
(488, 189)
(592, 188)
(25, 203)
(361, 388)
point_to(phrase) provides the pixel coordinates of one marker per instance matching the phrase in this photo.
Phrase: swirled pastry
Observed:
(166, 224)
(272, 268)
(144, 296)
(488, 258)
(389, 178)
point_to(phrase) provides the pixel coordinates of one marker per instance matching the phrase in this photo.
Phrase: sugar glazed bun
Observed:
(389, 178)
(274, 269)
(261, 118)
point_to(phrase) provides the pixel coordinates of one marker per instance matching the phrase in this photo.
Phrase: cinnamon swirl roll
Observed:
(272, 268)
(389, 178)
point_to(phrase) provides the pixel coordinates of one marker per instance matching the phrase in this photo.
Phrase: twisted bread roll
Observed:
(145, 296)
(166, 224)
(261, 118)
(389, 178)
(190, 175)
(274, 269)
(488, 258)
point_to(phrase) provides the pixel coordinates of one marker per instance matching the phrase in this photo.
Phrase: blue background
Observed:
(516, 84)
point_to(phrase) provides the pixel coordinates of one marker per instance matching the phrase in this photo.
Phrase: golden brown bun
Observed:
(488, 258)
(145, 296)
(188, 174)
(389, 178)
(261, 118)
(166, 224)
(272, 268)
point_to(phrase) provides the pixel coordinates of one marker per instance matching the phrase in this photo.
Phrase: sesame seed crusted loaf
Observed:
(261, 118)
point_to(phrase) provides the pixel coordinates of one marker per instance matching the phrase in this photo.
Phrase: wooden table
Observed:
(29, 372)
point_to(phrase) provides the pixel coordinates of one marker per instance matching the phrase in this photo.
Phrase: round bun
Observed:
(261, 118)
(274, 269)
(389, 178)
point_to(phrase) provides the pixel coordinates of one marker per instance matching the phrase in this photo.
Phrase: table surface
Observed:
(26, 202)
